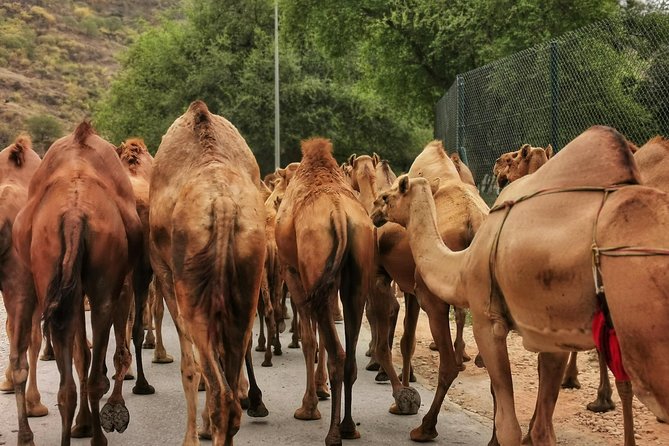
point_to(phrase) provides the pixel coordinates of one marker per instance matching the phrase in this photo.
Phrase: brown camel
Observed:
(326, 240)
(78, 233)
(463, 170)
(511, 277)
(137, 161)
(207, 250)
(18, 163)
(460, 213)
(509, 167)
(653, 161)
(271, 291)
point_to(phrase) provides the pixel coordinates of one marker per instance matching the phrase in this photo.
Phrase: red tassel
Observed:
(607, 345)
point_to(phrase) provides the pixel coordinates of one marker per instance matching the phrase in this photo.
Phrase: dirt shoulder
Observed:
(574, 425)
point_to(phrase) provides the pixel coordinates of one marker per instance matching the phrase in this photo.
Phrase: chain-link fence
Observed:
(614, 72)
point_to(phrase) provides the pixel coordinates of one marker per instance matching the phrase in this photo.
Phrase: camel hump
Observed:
(22, 144)
(316, 146)
(83, 131)
(200, 111)
(598, 157)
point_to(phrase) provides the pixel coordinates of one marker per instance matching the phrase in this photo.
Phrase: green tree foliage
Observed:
(223, 54)
(44, 130)
(410, 51)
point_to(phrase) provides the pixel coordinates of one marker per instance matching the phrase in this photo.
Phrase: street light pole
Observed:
(277, 154)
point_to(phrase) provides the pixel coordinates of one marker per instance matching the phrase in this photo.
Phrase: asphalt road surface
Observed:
(159, 419)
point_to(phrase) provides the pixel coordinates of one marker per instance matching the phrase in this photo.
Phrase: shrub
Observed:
(44, 129)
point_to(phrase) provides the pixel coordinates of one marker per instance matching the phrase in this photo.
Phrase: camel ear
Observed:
(351, 159)
(434, 185)
(525, 151)
(404, 184)
(549, 151)
(376, 159)
(119, 149)
(281, 173)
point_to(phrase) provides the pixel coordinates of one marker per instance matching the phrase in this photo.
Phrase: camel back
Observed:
(199, 137)
(653, 161)
(18, 162)
(433, 162)
(598, 157)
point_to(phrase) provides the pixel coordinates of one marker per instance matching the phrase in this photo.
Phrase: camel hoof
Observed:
(373, 366)
(166, 359)
(245, 403)
(260, 348)
(422, 435)
(601, 405)
(114, 417)
(382, 376)
(294, 344)
(82, 431)
(47, 357)
(37, 410)
(128, 376)
(433, 346)
(478, 361)
(204, 434)
(278, 352)
(148, 345)
(407, 402)
(282, 326)
(571, 383)
(349, 434)
(143, 389)
(466, 357)
(7, 387)
(258, 412)
(266, 363)
(307, 414)
(368, 353)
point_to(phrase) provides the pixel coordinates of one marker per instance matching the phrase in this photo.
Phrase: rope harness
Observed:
(603, 332)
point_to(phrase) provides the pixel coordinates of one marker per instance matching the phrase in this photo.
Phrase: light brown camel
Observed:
(509, 167)
(653, 161)
(463, 170)
(207, 250)
(79, 232)
(326, 241)
(511, 277)
(460, 213)
(137, 162)
(271, 291)
(18, 163)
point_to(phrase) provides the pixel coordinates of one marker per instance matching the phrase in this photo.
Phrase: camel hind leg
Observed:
(160, 355)
(141, 278)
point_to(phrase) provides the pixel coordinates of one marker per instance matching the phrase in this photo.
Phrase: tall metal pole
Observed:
(277, 154)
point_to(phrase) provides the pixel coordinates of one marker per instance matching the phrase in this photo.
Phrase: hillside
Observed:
(58, 56)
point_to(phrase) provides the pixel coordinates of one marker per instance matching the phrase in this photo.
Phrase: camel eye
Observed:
(384, 198)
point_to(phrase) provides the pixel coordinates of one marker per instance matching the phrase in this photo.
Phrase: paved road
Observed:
(160, 419)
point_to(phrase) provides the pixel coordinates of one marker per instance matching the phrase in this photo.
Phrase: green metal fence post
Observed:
(555, 94)
(461, 120)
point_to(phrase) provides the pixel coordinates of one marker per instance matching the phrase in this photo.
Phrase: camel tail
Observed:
(212, 273)
(319, 296)
(64, 291)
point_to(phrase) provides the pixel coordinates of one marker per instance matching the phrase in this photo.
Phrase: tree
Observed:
(44, 130)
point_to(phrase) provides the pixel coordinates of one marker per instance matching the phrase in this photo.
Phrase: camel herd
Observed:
(573, 255)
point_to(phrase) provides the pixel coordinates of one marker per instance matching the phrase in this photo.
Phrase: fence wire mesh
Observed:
(614, 72)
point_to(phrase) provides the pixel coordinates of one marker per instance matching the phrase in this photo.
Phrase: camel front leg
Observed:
(626, 395)
(83, 425)
(461, 355)
(570, 380)
(490, 335)
(551, 370)
(408, 341)
(8, 384)
(160, 355)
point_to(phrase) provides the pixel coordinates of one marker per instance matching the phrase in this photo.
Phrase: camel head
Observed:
(362, 168)
(524, 161)
(433, 162)
(270, 180)
(385, 177)
(287, 173)
(394, 204)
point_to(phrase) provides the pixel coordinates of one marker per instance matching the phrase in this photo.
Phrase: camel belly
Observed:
(543, 268)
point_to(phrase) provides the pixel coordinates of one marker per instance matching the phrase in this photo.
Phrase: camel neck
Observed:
(367, 193)
(438, 266)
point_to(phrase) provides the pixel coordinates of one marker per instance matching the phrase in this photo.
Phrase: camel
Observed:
(78, 233)
(511, 279)
(137, 162)
(461, 212)
(271, 289)
(326, 240)
(463, 170)
(18, 163)
(653, 161)
(207, 245)
(526, 160)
